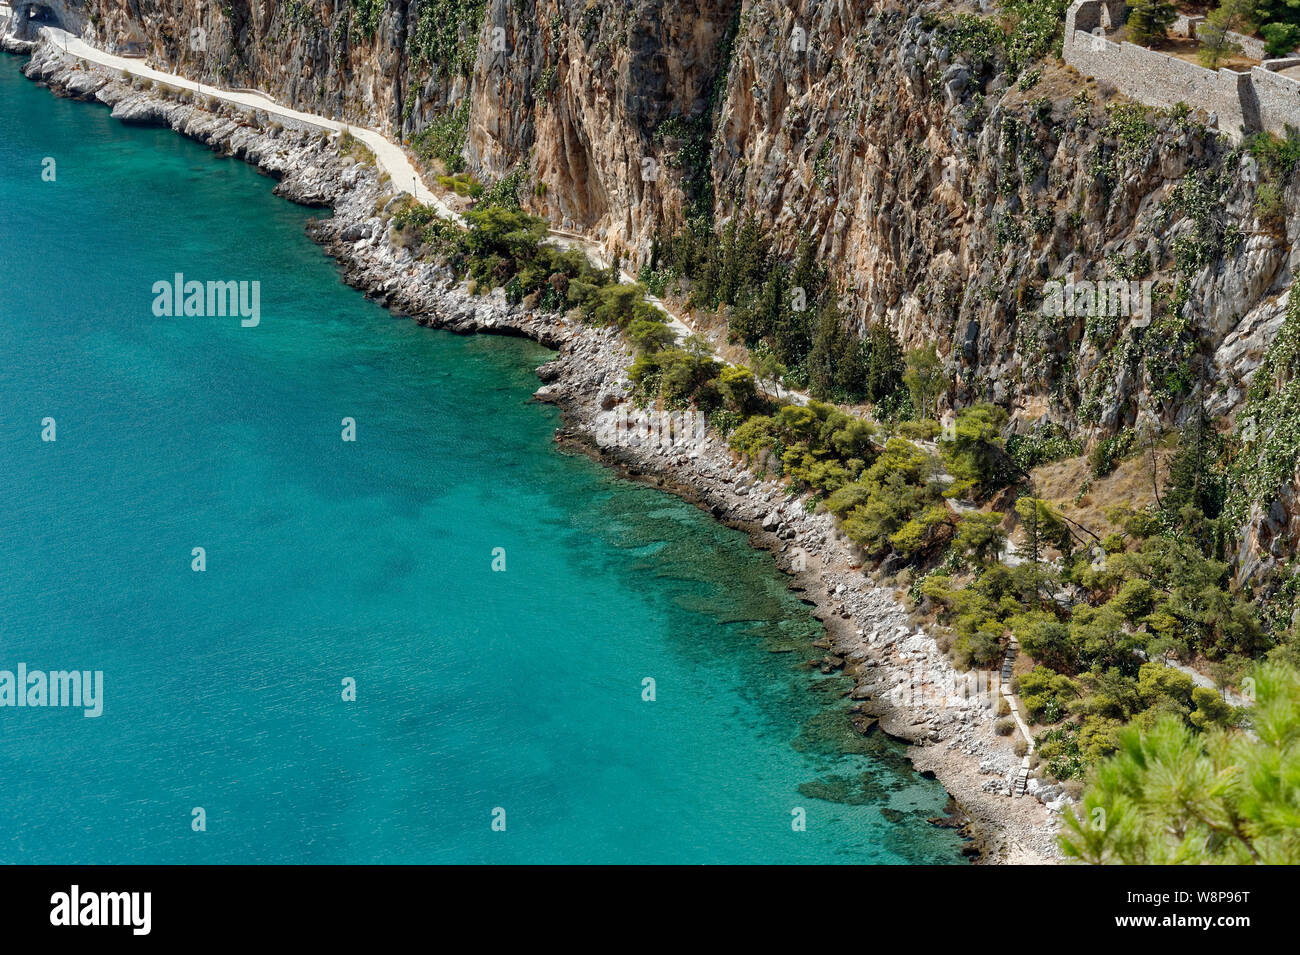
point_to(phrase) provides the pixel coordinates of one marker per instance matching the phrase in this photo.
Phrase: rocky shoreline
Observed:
(902, 679)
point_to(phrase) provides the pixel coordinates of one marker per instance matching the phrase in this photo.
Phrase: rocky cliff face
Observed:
(943, 192)
(943, 196)
(373, 63)
(948, 199)
(594, 99)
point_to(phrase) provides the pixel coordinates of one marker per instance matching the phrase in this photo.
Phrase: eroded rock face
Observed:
(941, 195)
(946, 198)
(596, 99)
(317, 55)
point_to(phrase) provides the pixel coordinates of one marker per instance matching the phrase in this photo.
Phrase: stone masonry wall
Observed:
(1241, 103)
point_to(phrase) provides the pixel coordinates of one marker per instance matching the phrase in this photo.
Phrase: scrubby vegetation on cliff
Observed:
(1025, 32)
(1095, 613)
(446, 34)
(1267, 437)
(786, 313)
(504, 247)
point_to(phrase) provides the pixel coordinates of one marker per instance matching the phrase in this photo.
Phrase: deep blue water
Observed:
(370, 560)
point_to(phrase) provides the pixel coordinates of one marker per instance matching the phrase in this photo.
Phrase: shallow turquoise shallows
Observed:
(372, 560)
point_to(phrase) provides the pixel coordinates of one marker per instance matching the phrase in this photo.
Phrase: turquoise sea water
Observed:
(370, 560)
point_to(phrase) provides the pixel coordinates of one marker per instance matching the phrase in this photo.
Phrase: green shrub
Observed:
(972, 453)
(413, 215)
(1148, 20)
(756, 435)
(924, 430)
(504, 192)
(677, 376)
(1042, 446)
(1058, 748)
(1046, 638)
(1046, 694)
(462, 184)
(897, 487)
(649, 335)
(1280, 38)
(619, 304)
(979, 535)
(920, 531)
(738, 389)
(820, 447)
(981, 648)
(1109, 451)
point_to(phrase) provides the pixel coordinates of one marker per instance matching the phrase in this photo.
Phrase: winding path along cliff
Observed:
(902, 678)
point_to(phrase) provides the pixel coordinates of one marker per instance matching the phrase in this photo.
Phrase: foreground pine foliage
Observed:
(1174, 796)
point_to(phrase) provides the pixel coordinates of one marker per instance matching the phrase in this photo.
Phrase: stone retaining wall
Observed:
(1239, 103)
(1251, 46)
